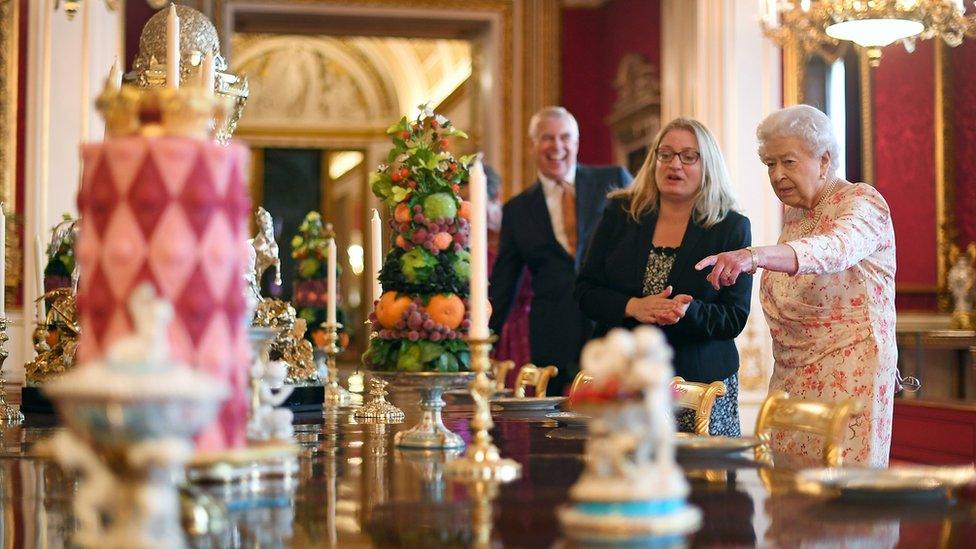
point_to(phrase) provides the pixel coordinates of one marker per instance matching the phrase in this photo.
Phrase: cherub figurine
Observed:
(268, 422)
(265, 250)
(961, 280)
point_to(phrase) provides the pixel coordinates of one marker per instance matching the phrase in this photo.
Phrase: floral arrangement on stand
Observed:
(309, 249)
(421, 319)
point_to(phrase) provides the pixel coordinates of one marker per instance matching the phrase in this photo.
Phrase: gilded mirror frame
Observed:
(9, 55)
(793, 85)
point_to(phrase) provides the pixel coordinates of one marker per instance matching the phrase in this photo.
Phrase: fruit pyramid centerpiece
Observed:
(309, 249)
(421, 319)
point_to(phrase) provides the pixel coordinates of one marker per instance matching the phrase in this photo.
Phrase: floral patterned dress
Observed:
(833, 323)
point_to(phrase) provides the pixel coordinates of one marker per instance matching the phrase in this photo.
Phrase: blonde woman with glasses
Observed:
(639, 267)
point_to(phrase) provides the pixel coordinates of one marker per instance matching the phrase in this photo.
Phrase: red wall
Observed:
(904, 122)
(593, 43)
(962, 61)
(136, 15)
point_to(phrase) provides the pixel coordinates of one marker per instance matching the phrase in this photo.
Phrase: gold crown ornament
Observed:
(197, 38)
(190, 111)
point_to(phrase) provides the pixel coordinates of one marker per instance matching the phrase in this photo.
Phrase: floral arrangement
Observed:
(60, 254)
(421, 320)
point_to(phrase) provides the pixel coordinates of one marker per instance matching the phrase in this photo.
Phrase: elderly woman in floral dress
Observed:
(828, 289)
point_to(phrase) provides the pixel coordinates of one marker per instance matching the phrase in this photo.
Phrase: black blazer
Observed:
(557, 327)
(613, 272)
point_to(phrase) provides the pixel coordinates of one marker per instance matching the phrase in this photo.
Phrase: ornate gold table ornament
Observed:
(378, 409)
(8, 413)
(130, 425)
(482, 459)
(632, 490)
(53, 360)
(290, 344)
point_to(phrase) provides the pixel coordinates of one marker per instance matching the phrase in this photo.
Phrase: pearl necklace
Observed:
(809, 224)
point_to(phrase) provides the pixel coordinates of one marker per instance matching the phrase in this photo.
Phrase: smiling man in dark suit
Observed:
(546, 228)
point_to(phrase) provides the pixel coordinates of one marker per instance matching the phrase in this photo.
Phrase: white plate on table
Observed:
(699, 445)
(570, 419)
(893, 483)
(526, 404)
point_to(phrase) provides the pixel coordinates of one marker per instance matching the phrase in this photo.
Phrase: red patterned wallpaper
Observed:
(904, 118)
(593, 43)
(963, 90)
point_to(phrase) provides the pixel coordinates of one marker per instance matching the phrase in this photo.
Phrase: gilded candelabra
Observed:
(8, 413)
(335, 395)
(482, 459)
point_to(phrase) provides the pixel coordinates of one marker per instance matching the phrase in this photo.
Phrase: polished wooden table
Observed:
(354, 489)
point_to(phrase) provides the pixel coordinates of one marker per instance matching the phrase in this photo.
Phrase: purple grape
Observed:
(418, 218)
(428, 324)
(400, 325)
(420, 236)
(434, 336)
(417, 208)
(465, 324)
(413, 335)
(458, 247)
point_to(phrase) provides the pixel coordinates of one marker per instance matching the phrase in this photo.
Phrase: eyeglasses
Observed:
(686, 156)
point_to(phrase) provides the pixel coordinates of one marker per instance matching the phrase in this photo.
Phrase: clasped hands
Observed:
(660, 308)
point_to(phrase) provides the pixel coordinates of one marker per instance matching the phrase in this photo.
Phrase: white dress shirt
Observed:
(554, 202)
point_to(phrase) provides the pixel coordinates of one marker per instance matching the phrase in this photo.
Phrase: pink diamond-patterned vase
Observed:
(173, 212)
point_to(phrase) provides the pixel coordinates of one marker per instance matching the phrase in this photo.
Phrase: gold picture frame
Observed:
(9, 55)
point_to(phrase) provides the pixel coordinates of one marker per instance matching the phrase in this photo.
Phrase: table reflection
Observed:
(355, 489)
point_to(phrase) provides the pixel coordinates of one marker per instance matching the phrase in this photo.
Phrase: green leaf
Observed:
(399, 126)
(466, 159)
(430, 350)
(453, 132)
(398, 193)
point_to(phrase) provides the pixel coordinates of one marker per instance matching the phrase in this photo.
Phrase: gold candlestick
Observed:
(335, 395)
(482, 459)
(378, 409)
(8, 413)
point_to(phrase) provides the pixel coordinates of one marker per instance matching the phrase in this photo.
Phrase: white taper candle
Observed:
(172, 48)
(376, 253)
(478, 238)
(331, 282)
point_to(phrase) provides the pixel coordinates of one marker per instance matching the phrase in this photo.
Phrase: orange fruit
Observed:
(390, 308)
(401, 242)
(465, 210)
(443, 241)
(402, 213)
(446, 309)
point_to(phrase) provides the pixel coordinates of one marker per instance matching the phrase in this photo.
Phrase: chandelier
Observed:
(820, 26)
